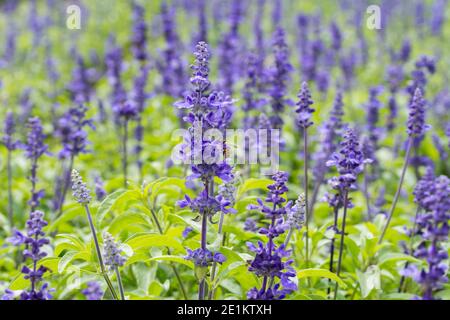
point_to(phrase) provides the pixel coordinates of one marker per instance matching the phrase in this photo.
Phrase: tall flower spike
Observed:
(279, 76)
(139, 34)
(9, 130)
(81, 193)
(34, 240)
(35, 146)
(304, 111)
(272, 261)
(296, 213)
(416, 120)
(113, 255)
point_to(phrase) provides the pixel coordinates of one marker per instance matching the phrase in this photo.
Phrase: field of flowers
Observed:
(121, 178)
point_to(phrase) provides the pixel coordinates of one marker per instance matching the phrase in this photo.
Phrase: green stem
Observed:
(399, 189)
(305, 178)
(99, 254)
(214, 266)
(119, 281)
(10, 197)
(341, 245)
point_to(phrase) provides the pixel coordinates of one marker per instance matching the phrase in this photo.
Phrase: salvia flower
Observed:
(71, 130)
(113, 254)
(93, 291)
(34, 149)
(114, 60)
(172, 65)
(34, 240)
(250, 225)
(329, 133)
(9, 130)
(296, 213)
(80, 86)
(186, 232)
(100, 191)
(229, 49)
(204, 257)
(434, 197)
(80, 191)
(349, 162)
(272, 261)
(304, 110)
(279, 75)
(139, 34)
(416, 121)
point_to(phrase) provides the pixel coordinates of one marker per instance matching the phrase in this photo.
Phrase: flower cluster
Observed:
(100, 191)
(229, 49)
(34, 149)
(433, 196)
(206, 110)
(9, 130)
(172, 65)
(207, 205)
(279, 76)
(329, 133)
(93, 291)
(80, 192)
(250, 90)
(295, 217)
(349, 162)
(113, 60)
(139, 34)
(34, 240)
(416, 120)
(304, 110)
(70, 129)
(80, 86)
(113, 254)
(271, 261)
(204, 257)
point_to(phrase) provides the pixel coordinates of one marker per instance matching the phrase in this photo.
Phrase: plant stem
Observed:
(399, 189)
(119, 281)
(202, 284)
(65, 186)
(214, 266)
(10, 197)
(305, 178)
(332, 246)
(125, 152)
(288, 237)
(341, 245)
(99, 254)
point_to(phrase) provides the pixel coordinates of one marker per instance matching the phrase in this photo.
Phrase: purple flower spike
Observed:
(416, 120)
(304, 111)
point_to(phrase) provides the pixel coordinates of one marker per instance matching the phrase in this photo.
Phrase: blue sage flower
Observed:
(93, 291)
(34, 240)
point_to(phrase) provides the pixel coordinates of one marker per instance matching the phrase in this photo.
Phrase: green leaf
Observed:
(112, 201)
(128, 221)
(392, 257)
(175, 259)
(65, 260)
(322, 273)
(369, 280)
(251, 184)
(148, 240)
